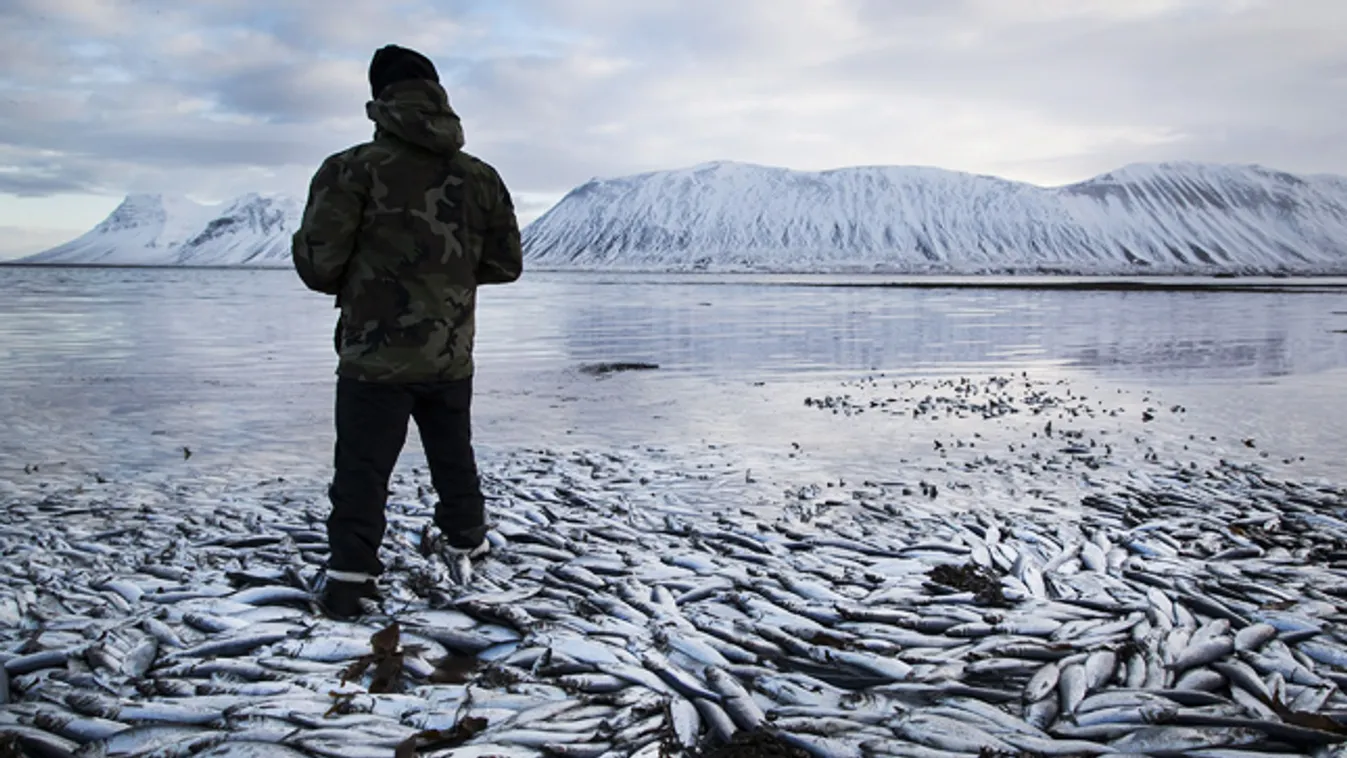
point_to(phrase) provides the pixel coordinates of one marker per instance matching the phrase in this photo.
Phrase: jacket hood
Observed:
(418, 111)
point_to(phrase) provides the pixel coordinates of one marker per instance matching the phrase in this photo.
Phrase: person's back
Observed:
(402, 229)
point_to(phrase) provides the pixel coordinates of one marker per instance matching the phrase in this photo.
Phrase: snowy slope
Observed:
(156, 230)
(1178, 217)
(144, 229)
(253, 230)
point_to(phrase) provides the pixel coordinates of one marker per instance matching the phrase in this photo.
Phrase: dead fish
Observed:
(686, 722)
(1202, 653)
(39, 743)
(213, 624)
(1099, 669)
(233, 646)
(686, 684)
(140, 658)
(1254, 636)
(273, 595)
(1172, 739)
(162, 632)
(736, 700)
(947, 734)
(143, 739)
(1203, 679)
(245, 749)
(81, 729)
(46, 659)
(1072, 684)
(720, 725)
(1040, 714)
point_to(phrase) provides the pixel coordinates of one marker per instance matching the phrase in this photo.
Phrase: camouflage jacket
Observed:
(402, 229)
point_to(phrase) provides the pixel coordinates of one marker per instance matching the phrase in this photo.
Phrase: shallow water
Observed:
(119, 370)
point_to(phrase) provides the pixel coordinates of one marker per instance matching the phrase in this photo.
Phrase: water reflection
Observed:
(1180, 336)
(126, 367)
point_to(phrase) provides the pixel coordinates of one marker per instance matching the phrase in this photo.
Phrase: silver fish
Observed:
(1254, 636)
(1324, 652)
(1241, 674)
(38, 742)
(1202, 653)
(1171, 739)
(81, 729)
(686, 722)
(720, 725)
(1042, 713)
(46, 659)
(577, 749)
(141, 658)
(245, 749)
(1203, 679)
(686, 684)
(142, 739)
(947, 734)
(162, 632)
(1146, 714)
(1099, 669)
(1072, 684)
(736, 700)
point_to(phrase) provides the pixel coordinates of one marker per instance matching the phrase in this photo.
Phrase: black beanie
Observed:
(392, 64)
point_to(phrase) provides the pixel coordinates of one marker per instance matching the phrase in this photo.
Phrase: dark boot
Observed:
(341, 599)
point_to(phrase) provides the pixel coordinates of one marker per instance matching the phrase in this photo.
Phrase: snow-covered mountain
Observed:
(144, 229)
(159, 230)
(252, 230)
(1165, 218)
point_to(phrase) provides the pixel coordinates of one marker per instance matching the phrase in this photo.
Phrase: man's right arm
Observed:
(325, 241)
(502, 254)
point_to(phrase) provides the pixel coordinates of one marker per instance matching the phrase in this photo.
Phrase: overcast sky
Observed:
(213, 98)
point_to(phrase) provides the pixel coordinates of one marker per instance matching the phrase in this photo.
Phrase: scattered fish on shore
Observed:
(1171, 610)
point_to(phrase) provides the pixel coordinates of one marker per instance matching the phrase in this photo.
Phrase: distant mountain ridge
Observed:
(163, 230)
(1178, 218)
(1160, 218)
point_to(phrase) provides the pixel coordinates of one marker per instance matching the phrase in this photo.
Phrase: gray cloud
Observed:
(1050, 92)
(27, 183)
(223, 97)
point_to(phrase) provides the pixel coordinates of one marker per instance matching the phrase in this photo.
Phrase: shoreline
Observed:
(1257, 282)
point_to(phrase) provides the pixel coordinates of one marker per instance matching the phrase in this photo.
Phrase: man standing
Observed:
(402, 229)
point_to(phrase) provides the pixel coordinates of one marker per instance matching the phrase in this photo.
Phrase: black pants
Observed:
(371, 430)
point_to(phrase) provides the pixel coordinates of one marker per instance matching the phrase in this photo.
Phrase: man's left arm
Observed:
(325, 241)
(502, 255)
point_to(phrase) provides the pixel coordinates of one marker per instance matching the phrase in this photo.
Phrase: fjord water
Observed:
(124, 371)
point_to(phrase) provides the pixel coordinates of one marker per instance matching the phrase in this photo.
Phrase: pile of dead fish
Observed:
(988, 398)
(1185, 612)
